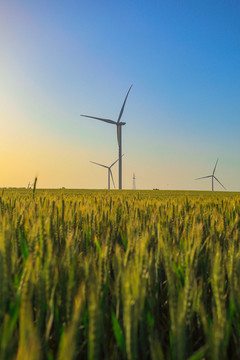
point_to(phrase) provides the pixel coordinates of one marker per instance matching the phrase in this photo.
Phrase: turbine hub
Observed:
(122, 123)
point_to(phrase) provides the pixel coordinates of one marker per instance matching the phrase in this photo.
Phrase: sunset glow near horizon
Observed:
(62, 59)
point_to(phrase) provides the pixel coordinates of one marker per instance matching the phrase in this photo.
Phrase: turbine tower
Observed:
(109, 171)
(213, 177)
(134, 181)
(119, 135)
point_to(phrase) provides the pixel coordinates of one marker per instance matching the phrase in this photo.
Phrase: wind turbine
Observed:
(109, 171)
(119, 134)
(213, 177)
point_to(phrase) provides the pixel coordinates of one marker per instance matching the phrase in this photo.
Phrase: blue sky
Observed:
(60, 59)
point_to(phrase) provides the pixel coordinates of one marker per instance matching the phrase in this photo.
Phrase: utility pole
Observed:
(134, 182)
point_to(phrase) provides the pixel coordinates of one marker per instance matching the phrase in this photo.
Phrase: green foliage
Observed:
(34, 186)
(119, 275)
(118, 332)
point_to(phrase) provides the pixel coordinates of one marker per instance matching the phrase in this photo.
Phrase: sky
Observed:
(60, 59)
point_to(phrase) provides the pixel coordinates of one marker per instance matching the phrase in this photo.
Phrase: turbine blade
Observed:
(204, 177)
(114, 162)
(112, 178)
(121, 112)
(99, 164)
(219, 182)
(215, 167)
(105, 120)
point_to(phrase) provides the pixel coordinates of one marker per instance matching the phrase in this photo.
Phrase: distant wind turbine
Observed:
(119, 134)
(109, 171)
(213, 177)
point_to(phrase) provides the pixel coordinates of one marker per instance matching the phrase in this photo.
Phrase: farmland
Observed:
(131, 275)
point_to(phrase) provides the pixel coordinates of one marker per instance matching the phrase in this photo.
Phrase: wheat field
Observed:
(119, 275)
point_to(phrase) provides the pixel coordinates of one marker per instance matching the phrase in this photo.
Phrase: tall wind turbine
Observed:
(213, 177)
(119, 134)
(109, 171)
